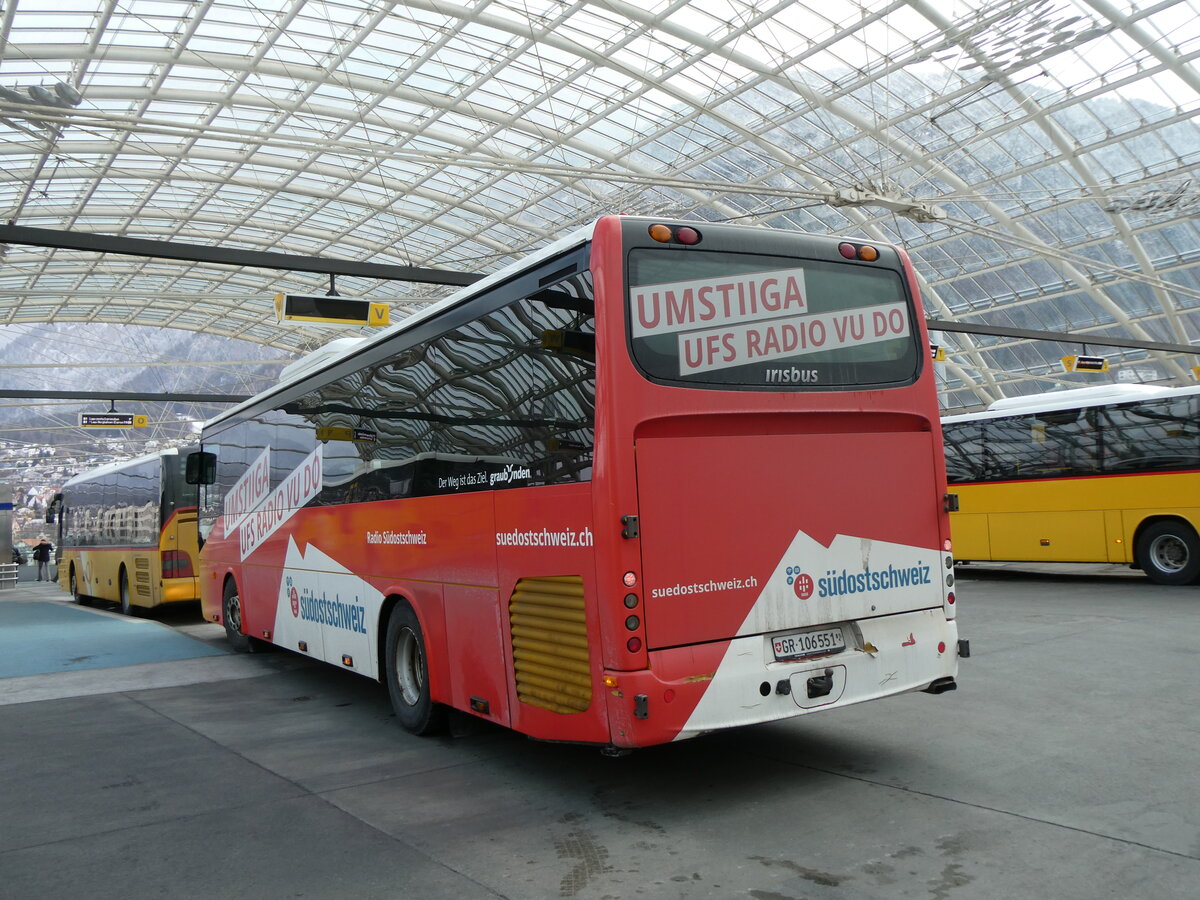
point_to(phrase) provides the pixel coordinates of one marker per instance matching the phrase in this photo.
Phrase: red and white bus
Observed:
(659, 479)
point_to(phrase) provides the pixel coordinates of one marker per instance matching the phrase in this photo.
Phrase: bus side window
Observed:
(1159, 436)
(1077, 441)
(1015, 448)
(484, 398)
(964, 452)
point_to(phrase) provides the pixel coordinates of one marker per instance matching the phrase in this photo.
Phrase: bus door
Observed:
(758, 533)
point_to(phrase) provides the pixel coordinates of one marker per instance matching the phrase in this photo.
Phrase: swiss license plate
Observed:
(803, 644)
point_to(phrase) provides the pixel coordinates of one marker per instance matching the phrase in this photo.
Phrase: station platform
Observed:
(39, 637)
(52, 647)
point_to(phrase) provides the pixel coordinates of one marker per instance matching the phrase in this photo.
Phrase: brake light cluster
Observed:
(632, 622)
(176, 564)
(865, 252)
(951, 612)
(675, 234)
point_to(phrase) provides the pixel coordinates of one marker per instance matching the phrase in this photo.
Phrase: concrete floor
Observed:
(1063, 767)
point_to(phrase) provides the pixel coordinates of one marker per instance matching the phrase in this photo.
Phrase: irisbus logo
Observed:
(801, 583)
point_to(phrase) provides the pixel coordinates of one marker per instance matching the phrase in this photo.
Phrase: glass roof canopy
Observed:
(1036, 158)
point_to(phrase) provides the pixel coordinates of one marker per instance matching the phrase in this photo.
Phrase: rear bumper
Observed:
(690, 691)
(180, 590)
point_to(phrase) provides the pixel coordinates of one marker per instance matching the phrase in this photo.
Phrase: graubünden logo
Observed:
(295, 604)
(802, 584)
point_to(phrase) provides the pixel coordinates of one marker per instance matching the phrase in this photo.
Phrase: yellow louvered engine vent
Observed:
(141, 576)
(549, 643)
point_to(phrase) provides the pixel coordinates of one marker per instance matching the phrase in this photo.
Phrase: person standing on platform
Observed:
(41, 555)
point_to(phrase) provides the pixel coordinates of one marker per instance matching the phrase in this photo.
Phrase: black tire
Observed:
(75, 595)
(407, 670)
(1169, 552)
(123, 589)
(231, 616)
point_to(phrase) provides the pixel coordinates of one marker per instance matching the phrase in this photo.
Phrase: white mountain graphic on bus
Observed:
(327, 607)
(850, 578)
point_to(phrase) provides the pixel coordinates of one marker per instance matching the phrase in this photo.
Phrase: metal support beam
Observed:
(227, 256)
(109, 396)
(1060, 336)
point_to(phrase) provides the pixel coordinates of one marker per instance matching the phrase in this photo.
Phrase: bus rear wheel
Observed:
(407, 671)
(1169, 553)
(74, 585)
(231, 616)
(126, 603)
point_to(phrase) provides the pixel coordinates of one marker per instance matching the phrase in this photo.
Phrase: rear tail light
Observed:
(865, 252)
(669, 234)
(177, 564)
(633, 623)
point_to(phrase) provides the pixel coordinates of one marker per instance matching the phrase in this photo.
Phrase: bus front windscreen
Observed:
(773, 323)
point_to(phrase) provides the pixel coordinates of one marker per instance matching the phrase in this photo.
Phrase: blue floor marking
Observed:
(37, 638)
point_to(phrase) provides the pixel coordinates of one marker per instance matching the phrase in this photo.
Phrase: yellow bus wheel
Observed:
(1169, 552)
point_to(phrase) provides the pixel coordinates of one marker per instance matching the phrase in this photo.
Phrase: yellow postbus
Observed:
(1101, 475)
(127, 533)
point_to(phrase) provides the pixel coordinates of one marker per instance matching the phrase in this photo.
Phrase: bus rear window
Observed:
(768, 322)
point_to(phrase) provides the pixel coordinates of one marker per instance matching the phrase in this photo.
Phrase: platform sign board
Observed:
(340, 433)
(113, 420)
(1084, 364)
(331, 310)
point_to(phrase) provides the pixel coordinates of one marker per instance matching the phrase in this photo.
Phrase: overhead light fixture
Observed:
(59, 96)
(67, 94)
(917, 210)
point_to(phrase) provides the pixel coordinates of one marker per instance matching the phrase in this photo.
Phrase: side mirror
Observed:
(201, 468)
(53, 508)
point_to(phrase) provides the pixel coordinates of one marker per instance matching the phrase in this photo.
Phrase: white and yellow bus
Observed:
(127, 534)
(1099, 475)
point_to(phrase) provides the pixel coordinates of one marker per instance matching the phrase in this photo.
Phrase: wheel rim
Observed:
(233, 613)
(409, 667)
(1170, 553)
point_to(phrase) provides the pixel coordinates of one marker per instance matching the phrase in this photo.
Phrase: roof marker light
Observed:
(868, 254)
(660, 233)
(848, 250)
(687, 235)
